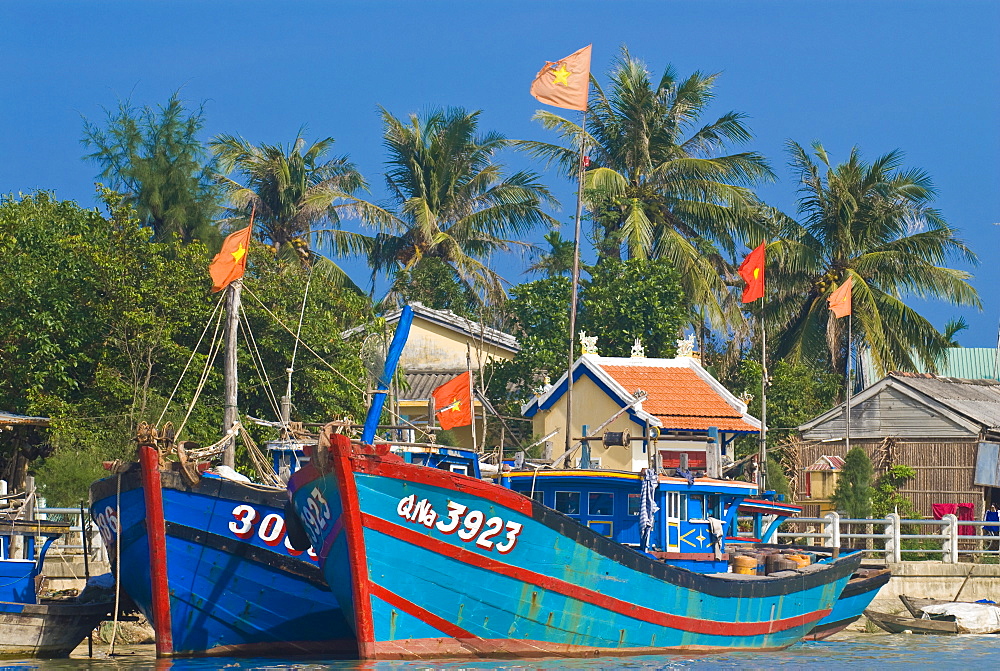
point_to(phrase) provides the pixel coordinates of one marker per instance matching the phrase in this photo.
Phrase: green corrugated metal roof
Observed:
(967, 363)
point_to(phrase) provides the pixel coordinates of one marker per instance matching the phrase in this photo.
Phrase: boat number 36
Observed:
(270, 528)
(468, 524)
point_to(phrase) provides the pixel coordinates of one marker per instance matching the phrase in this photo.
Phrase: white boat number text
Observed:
(469, 524)
(270, 529)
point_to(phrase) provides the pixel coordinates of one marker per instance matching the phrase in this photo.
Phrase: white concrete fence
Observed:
(885, 537)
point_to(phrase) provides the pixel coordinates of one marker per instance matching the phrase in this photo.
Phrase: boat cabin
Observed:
(287, 456)
(609, 501)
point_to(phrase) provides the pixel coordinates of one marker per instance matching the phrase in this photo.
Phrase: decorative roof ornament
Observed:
(638, 351)
(588, 343)
(685, 346)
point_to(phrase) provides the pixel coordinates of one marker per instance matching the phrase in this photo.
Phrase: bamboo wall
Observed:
(945, 470)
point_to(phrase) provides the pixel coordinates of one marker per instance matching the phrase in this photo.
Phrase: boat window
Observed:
(568, 502)
(601, 503)
(712, 500)
(633, 504)
(696, 506)
(457, 468)
(539, 496)
(603, 528)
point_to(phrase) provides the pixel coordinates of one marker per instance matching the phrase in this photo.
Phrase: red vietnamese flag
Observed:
(566, 82)
(453, 401)
(231, 261)
(840, 300)
(752, 270)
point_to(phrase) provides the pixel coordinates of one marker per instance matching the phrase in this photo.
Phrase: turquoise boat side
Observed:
(856, 597)
(443, 565)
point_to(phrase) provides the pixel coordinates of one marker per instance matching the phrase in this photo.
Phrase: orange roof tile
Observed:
(679, 397)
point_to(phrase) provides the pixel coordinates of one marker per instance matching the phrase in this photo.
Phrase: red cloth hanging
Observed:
(963, 511)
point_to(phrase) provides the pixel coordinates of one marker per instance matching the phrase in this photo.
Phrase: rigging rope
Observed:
(325, 362)
(213, 352)
(166, 405)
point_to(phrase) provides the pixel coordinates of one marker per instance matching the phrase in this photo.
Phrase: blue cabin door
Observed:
(673, 521)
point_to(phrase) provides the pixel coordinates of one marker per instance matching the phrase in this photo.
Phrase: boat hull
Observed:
(851, 605)
(236, 586)
(428, 581)
(48, 629)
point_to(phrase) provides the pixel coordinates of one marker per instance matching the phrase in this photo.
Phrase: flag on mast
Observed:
(231, 261)
(752, 271)
(453, 401)
(566, 82)
(840, 300)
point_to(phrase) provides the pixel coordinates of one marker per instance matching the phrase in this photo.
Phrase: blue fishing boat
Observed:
(236, 586)
(443, 565)
(31, 626)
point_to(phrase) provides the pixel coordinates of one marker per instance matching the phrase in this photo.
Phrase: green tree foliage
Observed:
(660, 185)
(886, 497)
(777, 480)
(637, 298)
(872, 222)
(433, 282)
(155, 157)
(100, 322)
(853, 494)
(300, 196)
(557, 259)
(453, 200)
(622, 301)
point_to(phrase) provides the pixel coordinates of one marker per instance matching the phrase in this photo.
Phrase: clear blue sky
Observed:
(919, 76)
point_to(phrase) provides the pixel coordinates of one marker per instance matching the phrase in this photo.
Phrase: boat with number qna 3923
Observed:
(429, 563)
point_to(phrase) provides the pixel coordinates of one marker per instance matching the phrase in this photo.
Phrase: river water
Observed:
(861, 651)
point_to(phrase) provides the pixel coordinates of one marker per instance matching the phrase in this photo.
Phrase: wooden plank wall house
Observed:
(938, 426)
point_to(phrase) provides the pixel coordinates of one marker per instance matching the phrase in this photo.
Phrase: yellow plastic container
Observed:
(745, 565)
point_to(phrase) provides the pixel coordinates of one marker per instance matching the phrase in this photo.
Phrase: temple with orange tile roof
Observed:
(683, 403)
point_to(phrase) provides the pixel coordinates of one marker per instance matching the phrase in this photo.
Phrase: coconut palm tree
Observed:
(452, 199)
(299, 194)
(659, 185)
(872, 222)
(558, 260)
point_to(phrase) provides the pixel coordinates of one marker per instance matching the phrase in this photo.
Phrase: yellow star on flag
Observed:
(562, 75)
(239, 253)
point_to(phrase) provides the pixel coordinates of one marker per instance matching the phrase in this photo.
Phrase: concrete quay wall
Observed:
(937, 580)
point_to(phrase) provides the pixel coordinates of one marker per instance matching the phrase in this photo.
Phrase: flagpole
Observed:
(230, 409)
(472, 395)
(576, 283)
(762, 455)
(847, 382)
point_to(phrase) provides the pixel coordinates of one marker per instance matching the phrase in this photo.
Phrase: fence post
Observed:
(949, 548)
(892, 543)
(833, 526)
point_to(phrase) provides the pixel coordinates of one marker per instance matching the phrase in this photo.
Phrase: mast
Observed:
(576, 285)
(230, 410)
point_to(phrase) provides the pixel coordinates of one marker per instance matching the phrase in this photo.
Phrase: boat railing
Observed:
(894, 538)
(72, 544)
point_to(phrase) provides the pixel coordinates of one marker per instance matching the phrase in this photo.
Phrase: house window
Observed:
(603, 528)
(601, 503)
(568, 502)
(634, 500)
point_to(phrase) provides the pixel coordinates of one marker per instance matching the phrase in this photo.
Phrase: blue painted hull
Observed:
(851, 605)
(443, 565)
(236, 586)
